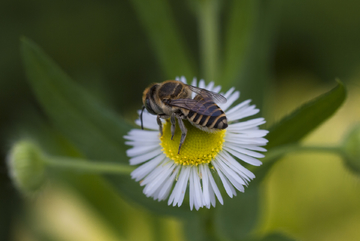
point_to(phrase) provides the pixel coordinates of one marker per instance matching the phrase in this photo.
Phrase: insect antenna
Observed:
(141, 119)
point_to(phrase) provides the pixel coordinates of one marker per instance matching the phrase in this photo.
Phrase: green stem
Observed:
(209, 41)
(210, 227)
(282, 150)
(87, 166)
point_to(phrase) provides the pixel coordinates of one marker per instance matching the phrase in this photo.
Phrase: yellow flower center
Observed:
(199, 146)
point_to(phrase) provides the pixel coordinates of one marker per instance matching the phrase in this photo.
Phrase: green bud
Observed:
(351, 149)
(26, 166)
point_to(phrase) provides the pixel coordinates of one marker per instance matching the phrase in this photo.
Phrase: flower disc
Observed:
(199, 146)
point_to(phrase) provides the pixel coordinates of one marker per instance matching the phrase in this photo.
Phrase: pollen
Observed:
(200, 147)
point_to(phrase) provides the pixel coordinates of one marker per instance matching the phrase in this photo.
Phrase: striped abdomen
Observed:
(206, 114)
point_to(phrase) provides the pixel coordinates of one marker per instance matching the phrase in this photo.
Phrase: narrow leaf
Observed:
(83, 119)
(208, 18)
(307, 118)
(301, 122)
(253, 77)
(164, 35)
(239, 32)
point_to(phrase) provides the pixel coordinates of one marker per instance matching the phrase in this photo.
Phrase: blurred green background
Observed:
(296, 50)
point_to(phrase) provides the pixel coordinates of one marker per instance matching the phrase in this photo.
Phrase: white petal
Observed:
(245, 158)
(248, 175)
(193, 83)
(139, 150)
(191, 191)
(227, 185)
(141, 142)
(217, 89)
(156, 183)
(249, 111)
(254, 133)
(229, 92)
(145, 157)
(151, 189)
(183, 79)
(252, 147)
(243, 151)
(202, 84)
(143, 170)
(165, 190)
(214, 187)
(244, 139)
(235, 179)
(210, 86)
(184, 187)
(148, 125)
(238, 107)
(230, 170)
(236, 127)
(177, 195)
(230, 100)
(205, 185)
(142, 135)
(149, 120)
(212, 198)
(195, 189)
(158, 171)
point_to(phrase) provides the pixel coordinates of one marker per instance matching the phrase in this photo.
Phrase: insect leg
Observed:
(173, 122)
(160, 124)
(183, 132)
(141, 117)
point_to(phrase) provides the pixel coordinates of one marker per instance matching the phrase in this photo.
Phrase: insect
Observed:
(172, 99)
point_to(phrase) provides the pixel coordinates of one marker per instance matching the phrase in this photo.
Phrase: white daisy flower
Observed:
(164, 172)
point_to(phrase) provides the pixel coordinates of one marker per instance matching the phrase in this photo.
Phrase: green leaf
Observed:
(239, 33)
(307, 118)
(301, 122)
(166, 40)
(88, 124)
(238, 216)
(208, 18)
(256, 70)
(83, 119)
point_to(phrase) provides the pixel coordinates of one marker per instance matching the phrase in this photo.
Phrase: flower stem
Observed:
(87, 166)
(282, 150)
(209, 37)
(210, 227)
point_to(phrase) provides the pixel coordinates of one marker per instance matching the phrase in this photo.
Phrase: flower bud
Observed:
(26, 166)
(351, 149)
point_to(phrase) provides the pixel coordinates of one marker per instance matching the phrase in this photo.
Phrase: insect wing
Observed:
(206, 94)
(199, 106)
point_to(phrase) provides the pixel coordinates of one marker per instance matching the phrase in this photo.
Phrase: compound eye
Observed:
(148, 107)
